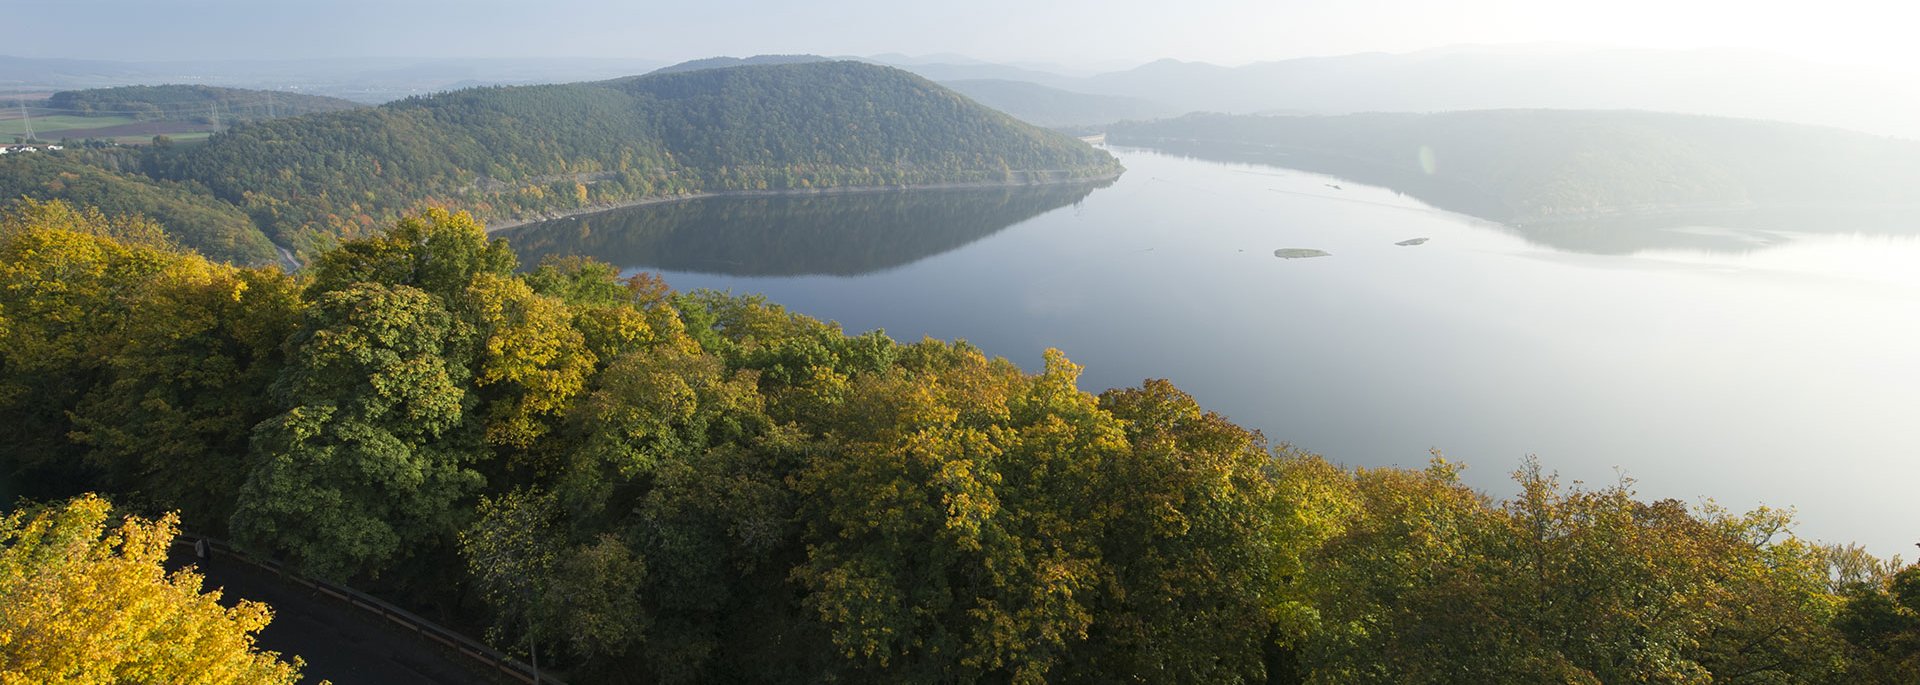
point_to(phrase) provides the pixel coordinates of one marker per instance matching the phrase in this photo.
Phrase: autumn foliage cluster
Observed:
(86, 602)
(650, 486)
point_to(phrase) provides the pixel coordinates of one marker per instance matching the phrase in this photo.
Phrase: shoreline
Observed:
(795, 192)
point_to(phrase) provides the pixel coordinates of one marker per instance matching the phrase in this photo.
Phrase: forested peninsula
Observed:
(520, 152)
(1555, 166)
(659, 486)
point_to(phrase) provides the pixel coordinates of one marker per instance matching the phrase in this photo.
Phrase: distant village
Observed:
(27, 147)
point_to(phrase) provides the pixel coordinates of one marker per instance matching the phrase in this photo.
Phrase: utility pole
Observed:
(26, 118)
(270, 104)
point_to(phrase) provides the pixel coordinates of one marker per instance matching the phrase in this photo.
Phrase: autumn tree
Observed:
(84, 603)
(170, 422)
(66, 288)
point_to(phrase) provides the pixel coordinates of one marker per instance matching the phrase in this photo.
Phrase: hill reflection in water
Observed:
(841, 234)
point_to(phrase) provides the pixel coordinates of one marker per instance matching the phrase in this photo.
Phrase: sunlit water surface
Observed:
(1782, 369)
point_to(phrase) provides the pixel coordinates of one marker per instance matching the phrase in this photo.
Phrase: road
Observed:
(340, 643)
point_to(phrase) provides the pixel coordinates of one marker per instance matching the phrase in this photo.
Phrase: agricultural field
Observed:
(120, 129)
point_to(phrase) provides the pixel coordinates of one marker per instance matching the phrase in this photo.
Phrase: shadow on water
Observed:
(1725, 230)
(836, 234)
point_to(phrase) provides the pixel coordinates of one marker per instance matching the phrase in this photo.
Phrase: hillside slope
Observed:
(1541, 165)
(194, 218)
(519, 152)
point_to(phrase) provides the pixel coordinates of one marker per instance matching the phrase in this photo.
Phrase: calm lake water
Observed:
(1774, 367)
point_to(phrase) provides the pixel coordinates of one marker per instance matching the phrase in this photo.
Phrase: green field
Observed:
(49, 127)
(120, 129)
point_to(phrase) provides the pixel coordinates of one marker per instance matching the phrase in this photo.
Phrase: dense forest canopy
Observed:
(192, 215)
(202, 104)
(1531, 166)
(655, 486)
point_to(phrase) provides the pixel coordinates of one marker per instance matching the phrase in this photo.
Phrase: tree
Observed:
(185, 372)
(352, 471)
(532, 359)
(953, 528)
(1198, 560)
(67, 281)
(84, 604)
(510, 552)
(1882, 622)
(436, 251)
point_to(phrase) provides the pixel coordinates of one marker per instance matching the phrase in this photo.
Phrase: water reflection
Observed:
(839, 234)
(1718, 230)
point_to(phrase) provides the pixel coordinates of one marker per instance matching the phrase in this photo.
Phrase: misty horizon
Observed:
(1077, 35)
(1058, 66)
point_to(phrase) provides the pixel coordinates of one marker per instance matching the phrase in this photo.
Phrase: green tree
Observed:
(1198, 579)
(352, 471)
(509, 551)
(1882, 622)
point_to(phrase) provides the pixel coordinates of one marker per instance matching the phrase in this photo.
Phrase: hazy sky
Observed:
(1068, 31)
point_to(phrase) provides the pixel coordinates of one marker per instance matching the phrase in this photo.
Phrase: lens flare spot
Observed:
(1426, 159)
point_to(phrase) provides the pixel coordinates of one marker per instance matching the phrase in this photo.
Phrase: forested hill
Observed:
(206, 104)
(724, 62)
(1544, 165)
(519, 152)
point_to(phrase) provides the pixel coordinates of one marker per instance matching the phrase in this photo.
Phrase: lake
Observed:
(1777, 366)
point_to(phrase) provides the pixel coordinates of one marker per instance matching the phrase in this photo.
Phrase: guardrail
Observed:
(473, 649)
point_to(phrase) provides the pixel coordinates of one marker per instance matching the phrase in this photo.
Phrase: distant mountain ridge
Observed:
(1047, 106)
(1031, 102)
(725, 62)
(1733, 83)
(1709, 82)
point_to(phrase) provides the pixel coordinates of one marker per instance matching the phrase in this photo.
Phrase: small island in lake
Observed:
(1299, 253)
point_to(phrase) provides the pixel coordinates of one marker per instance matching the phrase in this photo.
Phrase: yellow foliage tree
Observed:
(82, 604)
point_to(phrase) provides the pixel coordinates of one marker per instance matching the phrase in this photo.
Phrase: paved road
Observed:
(341, 643)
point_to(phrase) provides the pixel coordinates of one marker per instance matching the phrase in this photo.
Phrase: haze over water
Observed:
(1773, 369)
